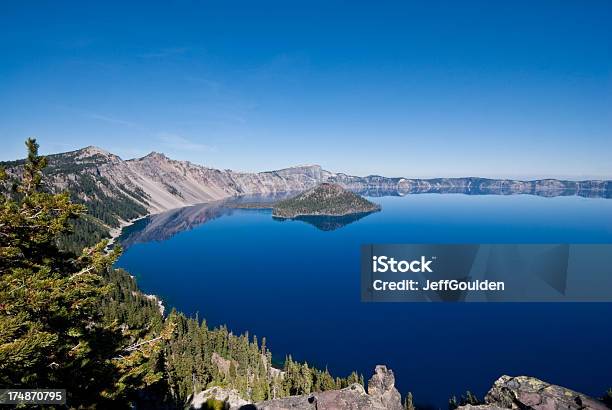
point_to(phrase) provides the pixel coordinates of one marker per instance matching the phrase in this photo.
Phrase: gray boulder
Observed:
(524, 392)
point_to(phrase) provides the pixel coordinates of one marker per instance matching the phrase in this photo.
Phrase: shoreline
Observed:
(115, 232)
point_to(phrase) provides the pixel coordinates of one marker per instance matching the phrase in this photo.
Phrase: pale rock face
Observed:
(170, 184)
(230, 397)
(382, 386)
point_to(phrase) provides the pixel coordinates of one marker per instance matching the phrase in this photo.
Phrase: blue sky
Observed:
(517, 89)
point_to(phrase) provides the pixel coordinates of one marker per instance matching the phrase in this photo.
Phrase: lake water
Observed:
(297, 284)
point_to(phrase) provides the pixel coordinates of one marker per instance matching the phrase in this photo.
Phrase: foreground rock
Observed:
(523, 393)
(229, 398)
(530, 393)
(382, 387)
(381, 394)
(325, 199)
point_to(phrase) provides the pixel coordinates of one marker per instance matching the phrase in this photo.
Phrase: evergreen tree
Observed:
(470, 398)
(408, 402)
(52, 332)
(452, 403)
(607, 398)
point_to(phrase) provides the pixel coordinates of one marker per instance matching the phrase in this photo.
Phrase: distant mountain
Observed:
(326, 199)
(117, 190)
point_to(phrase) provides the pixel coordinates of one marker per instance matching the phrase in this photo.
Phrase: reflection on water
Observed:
(160, 227)
(327, 223)
(163, 226)
(475, 187)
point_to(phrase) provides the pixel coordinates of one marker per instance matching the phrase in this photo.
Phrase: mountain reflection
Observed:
(486, 190)
(160, 227)
(163, 226)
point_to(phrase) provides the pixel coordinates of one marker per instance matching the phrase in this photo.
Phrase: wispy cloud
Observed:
(97, 116)
(215, 86)
(180, 143)
(110, 120)
(164, 52)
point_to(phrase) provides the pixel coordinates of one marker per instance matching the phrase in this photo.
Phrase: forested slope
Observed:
(71, 320)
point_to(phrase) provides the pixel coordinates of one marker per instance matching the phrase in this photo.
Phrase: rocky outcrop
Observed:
(382, 387)
(530, 393)
(522, 393)
(230, 399)
(381, 394)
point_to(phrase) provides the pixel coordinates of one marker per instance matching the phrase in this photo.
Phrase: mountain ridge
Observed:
(117, 190)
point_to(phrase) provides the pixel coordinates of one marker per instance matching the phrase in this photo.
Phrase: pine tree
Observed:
(607, 398)
(452, 403)
(52, 332)
(408, 403)
(353, 378)
(470, 398)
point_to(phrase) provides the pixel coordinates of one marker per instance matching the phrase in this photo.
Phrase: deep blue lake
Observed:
(297, 284)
